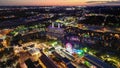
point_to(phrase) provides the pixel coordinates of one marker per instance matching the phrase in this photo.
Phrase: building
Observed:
(34, 51)
(97, 62)
(55, 32)
(30, 64)
(47, 61)
(4, 39)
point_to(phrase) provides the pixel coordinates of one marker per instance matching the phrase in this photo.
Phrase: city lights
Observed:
(61, 35)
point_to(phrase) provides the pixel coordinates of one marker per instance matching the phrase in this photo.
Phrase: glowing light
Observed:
(87, 63)
(80, 52)
(69, 47)
(54, 43)
(86, 35)
(85, 49)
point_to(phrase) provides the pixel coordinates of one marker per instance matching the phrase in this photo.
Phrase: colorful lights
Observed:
(79, 52)
(85, 49)
(87, 63)
(54, 43)
(86, 35)
(69, 47)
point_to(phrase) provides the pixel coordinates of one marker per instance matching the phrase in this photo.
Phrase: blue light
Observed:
(78, 51)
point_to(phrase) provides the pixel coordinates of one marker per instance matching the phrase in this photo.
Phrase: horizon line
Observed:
(60, 5)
